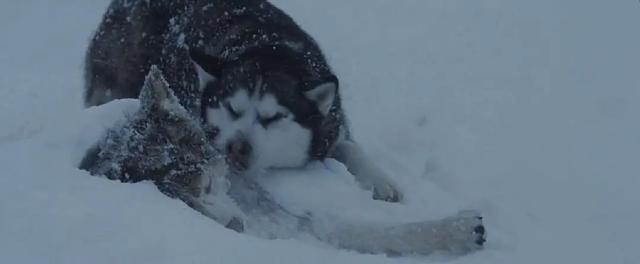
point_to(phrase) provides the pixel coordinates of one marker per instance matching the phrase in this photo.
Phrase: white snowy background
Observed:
(527, 111)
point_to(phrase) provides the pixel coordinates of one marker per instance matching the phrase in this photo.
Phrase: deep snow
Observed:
(524, 110)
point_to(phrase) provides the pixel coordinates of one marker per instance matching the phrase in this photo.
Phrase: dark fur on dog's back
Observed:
(127, 42)
(137, 34)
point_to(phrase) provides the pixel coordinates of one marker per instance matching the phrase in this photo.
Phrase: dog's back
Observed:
(136, 34)
(127, 42)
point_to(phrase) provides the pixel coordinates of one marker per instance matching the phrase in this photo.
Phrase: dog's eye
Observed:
(268, 121)
(234, 114)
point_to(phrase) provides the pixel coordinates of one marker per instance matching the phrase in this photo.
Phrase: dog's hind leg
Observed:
(366, 173)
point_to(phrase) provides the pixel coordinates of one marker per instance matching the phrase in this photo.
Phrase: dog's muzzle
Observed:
(239, 154)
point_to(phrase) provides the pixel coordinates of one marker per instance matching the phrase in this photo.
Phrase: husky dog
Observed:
(266, 98)
(245, 68)
(164, 144)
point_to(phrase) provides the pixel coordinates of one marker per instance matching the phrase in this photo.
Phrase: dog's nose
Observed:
(239, 154)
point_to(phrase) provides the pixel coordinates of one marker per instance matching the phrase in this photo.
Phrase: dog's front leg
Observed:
(366, 173)
(460, 234)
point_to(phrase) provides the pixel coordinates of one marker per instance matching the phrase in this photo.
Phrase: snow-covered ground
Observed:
(525, 110)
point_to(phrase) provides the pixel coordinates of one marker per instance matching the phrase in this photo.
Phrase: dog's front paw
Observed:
(464, 232)
(386, 192)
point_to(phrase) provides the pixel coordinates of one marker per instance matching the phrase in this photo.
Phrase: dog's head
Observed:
(264, 111)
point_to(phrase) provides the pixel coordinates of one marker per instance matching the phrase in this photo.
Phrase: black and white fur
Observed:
(266, 97)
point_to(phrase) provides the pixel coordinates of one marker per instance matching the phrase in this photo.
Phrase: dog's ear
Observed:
(324, 94)
(208, 67)
(156, 91)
